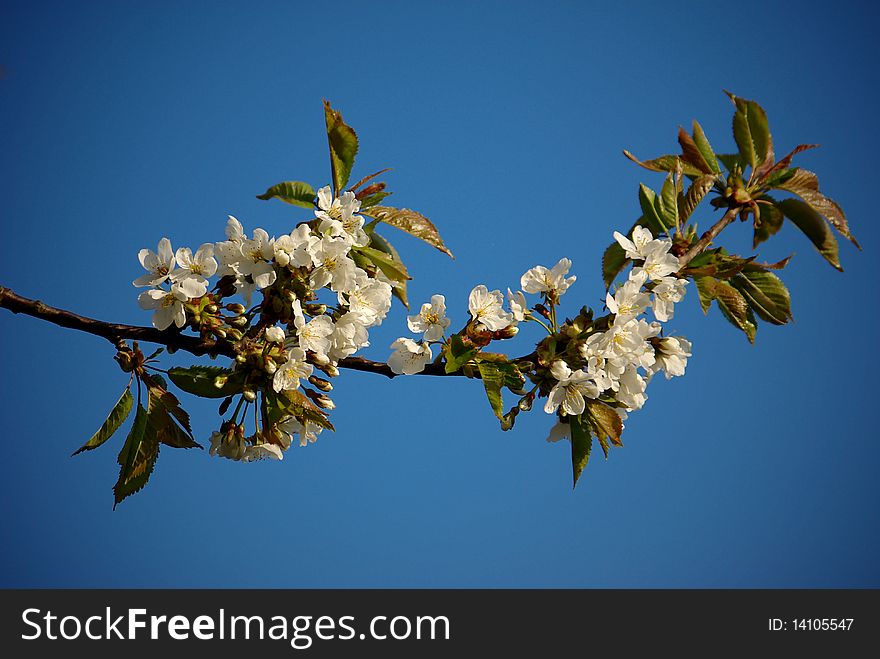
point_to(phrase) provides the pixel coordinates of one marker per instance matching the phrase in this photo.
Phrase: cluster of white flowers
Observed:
(320, 255)
(621, 360)
(188, 280)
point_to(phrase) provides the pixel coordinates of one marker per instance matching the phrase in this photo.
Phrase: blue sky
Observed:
(504, 123)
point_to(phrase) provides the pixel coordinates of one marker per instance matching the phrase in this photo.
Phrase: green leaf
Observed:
(411, 222)
(136, 459)
(581, 445)
(199, 381)
(291, 192)
(808, 220)
(668, 202)
(773, 172)
(702, 144)
(696, 192)
(778, 177)
(743, 138)
(162, 406)
(117, 416)
(398, 288)
(163, 409)
(751, 132)
(650, 210)
(691, 153)
(493, 380)
(512, 378)
(343, 143)
(735, 309)
(457, 353)
(374, 199)
(730, 161)
(605, 421)
(665, 164)
(293, 403)
(613, 262)
(706, 291)
(770, 223)
(298, 404)
(766, 294)
(805, 184)
(392, 268)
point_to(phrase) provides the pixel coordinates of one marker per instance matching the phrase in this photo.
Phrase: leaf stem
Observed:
(710, 235)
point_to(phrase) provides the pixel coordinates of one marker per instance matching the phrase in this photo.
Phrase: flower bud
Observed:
(330, 370)
(525, 403)
(238, 321)
(249, 395)
(315, 309)
(275, 334)
(318, 359)
(323, 401)
(124, 360)
(320, 383)
(220, 381)
(507, 333)
(220, 333)
(236, 308)
(241, 359)
(544, 311)
(234, 334)
(211, 308)
(269, 366)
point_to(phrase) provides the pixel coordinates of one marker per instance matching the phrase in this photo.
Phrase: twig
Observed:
(710, 235)
(172, 338)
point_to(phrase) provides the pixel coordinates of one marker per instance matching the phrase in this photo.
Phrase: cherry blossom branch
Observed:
(710, 235)
(113, 332)
(116, 333)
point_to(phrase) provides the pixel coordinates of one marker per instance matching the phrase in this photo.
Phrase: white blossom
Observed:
(315, 334)
(167, 305)
(541, 280)
(295, 248)
(559, 431)
(257, 254)
(431, 319)
(486, 309)
(667, 292)
(228, 445)
(308, 433)
(519, 308)
(370, 301)
(626, 340)
(571, 389)
(192, 272)
(672, 355)
(629, 300)
(632, 388)
(658, 264)
(409, 357)
(288, 375)
(333, 266)
(642, 243)
(158, 264)
(229, 252)
(338, 217)
(262, 452)
(349, 335)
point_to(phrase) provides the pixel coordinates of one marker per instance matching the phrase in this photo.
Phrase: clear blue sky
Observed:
(124, 122)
